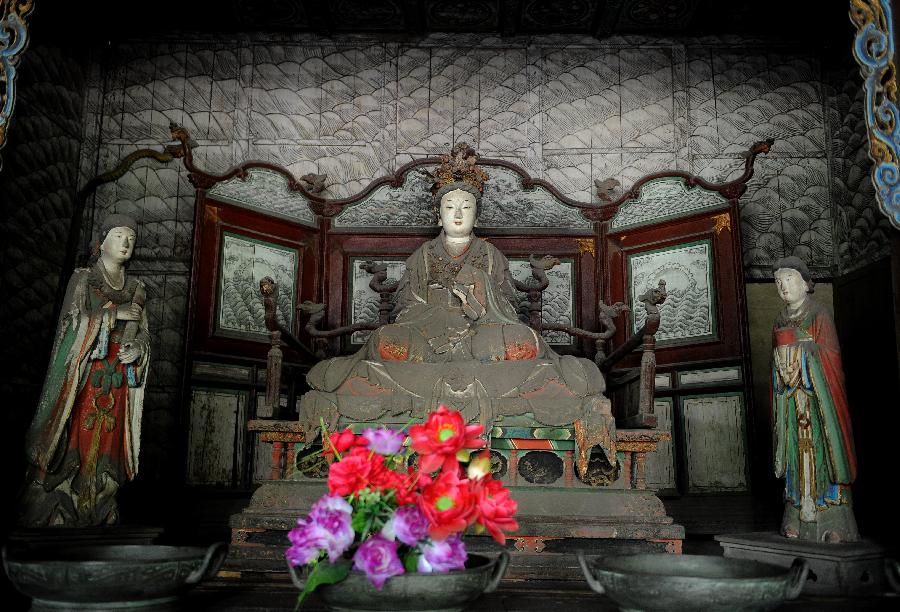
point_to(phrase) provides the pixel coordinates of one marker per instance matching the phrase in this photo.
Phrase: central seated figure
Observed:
(457, 340)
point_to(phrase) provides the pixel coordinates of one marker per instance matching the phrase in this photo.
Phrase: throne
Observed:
(579, 289)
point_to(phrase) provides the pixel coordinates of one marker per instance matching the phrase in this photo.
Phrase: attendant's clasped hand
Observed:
(128, 312)
(129, 352)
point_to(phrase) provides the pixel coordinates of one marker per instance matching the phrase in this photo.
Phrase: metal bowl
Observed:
(693, 582)
(414, 591)
(109, 576)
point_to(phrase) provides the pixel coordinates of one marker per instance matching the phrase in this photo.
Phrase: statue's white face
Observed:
(118, 244)
(791, 286)
(457, 213)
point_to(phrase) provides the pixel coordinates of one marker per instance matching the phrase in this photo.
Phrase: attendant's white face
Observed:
(791, 286)
(118, 244)
(458, 212)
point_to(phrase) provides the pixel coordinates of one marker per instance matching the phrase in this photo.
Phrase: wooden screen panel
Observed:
(715, 446)
(234, 247)
(216, 430)
(661, 474)
(676, 244)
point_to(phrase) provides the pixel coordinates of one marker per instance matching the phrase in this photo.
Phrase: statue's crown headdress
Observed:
(459, 167)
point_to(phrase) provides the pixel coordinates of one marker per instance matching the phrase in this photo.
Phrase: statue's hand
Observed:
(130, 352)
(128, 312)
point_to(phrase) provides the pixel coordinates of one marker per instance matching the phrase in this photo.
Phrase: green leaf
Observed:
(324, 573)
(359, 521)
(411, 561)
(462, 455)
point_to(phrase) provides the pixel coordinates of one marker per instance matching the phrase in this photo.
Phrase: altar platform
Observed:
(512, 596)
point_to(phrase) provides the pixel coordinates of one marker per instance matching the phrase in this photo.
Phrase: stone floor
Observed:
(512, 597)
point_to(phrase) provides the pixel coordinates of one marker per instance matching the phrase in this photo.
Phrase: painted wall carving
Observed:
(567, 109)
(37, 192)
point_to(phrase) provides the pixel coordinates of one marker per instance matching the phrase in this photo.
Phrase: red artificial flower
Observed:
(354, 471)
(403, 485)
(342, 441)
(495, 507)
(441, 437)
(448, 504)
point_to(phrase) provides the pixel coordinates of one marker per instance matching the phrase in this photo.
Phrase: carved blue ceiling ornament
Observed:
(13, 40)
(874, 51)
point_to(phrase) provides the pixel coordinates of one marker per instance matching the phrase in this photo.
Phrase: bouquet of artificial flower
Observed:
(384, 518)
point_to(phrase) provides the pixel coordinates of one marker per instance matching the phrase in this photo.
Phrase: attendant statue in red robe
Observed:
(813, 439)
(84, 439)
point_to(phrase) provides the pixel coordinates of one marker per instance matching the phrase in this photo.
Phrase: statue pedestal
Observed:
(554, 522)
(855, 568)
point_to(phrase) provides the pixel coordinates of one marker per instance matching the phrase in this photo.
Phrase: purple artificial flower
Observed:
(332, 513)
(384, 441)
(408, 524)
(442, 555)
(307, 541)
(327, 527)
(377, 557)
(330, 503)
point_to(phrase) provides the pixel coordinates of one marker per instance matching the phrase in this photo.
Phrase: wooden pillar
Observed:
(276, 460)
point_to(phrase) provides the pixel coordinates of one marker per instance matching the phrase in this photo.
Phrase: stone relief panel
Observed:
(265, 191)
(558, 299)
(505, 205)
(245, 262)
(689, 310)
(664, 199)
(570, 112)
(363, 301)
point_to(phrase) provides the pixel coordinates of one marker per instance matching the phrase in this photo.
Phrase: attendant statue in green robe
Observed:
(813, 439)
(84, 439)
(456, 340)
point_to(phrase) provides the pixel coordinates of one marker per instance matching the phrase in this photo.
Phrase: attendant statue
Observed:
(84, 439)
(812, 436)
(456, 339)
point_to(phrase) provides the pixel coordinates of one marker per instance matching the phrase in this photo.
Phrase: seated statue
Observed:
(456, 340)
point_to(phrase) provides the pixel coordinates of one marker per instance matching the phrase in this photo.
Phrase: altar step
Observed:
(554, 523)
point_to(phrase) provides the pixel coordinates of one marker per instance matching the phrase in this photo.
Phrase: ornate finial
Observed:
(459, 167)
